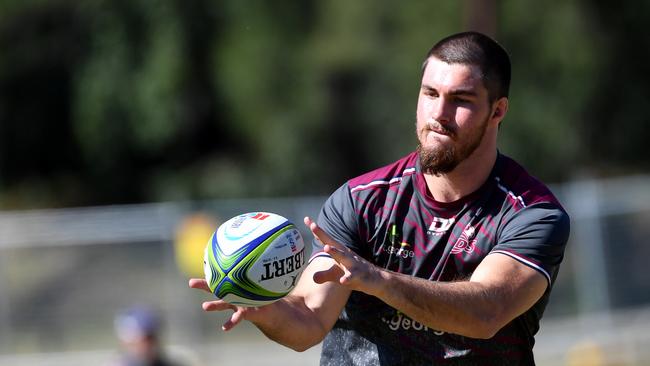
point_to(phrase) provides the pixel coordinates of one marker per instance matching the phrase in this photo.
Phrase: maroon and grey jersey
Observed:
(388, 217)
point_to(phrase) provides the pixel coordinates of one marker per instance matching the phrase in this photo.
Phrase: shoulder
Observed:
(531, 210)
(534, 228)
(521, 188)
(385, 176)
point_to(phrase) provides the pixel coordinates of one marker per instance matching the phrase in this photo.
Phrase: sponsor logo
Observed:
(440, 225)
(465, 243)
(281, 267)
(403, 249)
(400, 321)
(292, 236)
(293, 280)
(239, 228)
(260, 216)
(238, 221)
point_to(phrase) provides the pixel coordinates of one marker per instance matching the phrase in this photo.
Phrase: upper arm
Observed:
(338, 219)
(324, 300)
(522, 266)
(513, 287)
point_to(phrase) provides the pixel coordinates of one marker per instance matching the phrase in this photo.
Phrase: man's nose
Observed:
(441, 110)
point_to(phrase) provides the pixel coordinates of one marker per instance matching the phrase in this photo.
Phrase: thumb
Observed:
(333, 274)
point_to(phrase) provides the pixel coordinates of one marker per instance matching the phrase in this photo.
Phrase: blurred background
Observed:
(130, 129)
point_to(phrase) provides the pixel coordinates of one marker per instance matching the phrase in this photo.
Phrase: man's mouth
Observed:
(439, 129)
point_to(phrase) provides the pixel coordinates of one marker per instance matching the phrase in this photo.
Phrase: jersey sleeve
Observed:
(338, 219)
(536, 236)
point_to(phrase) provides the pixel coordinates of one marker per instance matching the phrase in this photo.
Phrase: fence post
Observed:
(587, 247)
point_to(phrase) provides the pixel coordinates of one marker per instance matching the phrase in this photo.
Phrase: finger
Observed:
(321, 234)
(333, 274)
(217, 305)
(235, 319)
(199, 283)
(338, 255)
(345, 279)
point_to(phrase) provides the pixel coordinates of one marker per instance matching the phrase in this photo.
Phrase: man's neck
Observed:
(465, 179)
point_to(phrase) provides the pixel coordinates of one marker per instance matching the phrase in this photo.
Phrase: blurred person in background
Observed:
(446, 256)
(139, 330)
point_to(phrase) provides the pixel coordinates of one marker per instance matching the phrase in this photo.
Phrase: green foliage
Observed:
(554, 62)
(128, 101)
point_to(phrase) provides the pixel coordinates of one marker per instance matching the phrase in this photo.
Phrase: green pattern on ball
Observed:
(217, 273)
(226, 261)
(238, 274)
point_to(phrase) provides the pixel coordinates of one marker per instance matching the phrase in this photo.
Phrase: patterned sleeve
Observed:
(338, 219)
(536, 236)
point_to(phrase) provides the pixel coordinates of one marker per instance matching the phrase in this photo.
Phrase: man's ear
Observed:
(500, 108)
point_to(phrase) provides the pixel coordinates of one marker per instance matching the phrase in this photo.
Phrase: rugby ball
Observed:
(254, 259)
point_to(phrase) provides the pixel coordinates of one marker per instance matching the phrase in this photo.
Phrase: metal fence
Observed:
(65, 273)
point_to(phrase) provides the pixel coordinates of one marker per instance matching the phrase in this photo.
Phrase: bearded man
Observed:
(446, 256)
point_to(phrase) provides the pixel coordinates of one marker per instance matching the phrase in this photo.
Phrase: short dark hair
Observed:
(474, 48)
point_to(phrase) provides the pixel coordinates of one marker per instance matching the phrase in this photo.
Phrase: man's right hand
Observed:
(302, 318)
(239, 312)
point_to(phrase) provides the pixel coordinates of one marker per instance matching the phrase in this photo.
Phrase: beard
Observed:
(443, 159)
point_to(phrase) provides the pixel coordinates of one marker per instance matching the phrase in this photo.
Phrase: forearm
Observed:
(464, 307)
(292, 323)
(303, 318)
(499, 290)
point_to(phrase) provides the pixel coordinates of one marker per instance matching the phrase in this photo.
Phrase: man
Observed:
(447, 256)
(138, 330)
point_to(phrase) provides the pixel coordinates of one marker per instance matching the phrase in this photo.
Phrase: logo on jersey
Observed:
(465, 243)
(440, 225)
(400, 321)
(396, 246)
